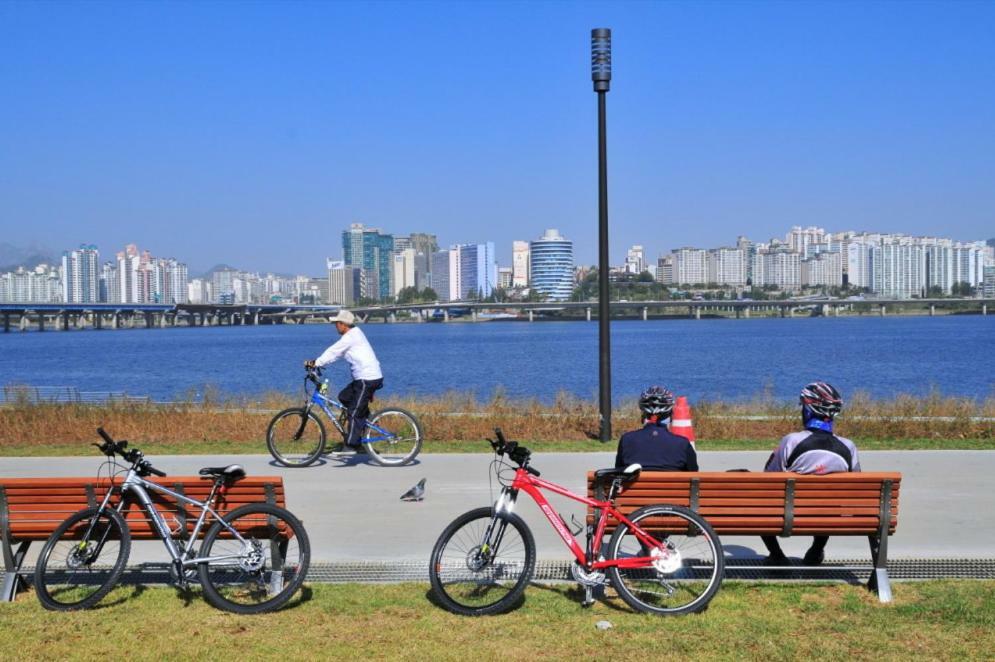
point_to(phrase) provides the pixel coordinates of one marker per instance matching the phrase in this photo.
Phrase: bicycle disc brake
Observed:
(666, 561)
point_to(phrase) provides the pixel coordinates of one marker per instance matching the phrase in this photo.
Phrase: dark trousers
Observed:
(356, 398)
(774, 547)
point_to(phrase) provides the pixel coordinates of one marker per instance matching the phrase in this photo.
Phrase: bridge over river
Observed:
(44, 316)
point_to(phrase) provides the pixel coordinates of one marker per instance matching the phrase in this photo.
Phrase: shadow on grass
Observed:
(434, 599)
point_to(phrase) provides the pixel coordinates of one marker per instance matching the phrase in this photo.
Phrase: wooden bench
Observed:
(781, 504)
(32, 508)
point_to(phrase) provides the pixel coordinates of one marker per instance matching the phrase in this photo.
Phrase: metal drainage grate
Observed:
(851, 571)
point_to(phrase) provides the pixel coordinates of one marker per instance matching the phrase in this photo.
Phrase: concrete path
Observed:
(352, 509)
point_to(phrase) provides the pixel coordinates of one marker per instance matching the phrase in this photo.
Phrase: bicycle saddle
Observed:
(626, 474)
(231, 472)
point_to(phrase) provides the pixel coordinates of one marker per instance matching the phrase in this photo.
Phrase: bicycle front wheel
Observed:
(482, 562)
(686, 567)
(392, 437)
(295, 437)
(82, 560)
(263, 570)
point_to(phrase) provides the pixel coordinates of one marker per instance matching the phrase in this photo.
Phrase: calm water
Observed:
(700, 358)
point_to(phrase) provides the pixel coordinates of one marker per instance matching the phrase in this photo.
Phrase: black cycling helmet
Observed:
(656, 401)
(822, 400)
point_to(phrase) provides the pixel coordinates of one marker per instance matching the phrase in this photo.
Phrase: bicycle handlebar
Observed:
(134, 456)
(517, 453)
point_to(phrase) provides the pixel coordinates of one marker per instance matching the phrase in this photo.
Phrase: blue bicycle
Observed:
(296, 436)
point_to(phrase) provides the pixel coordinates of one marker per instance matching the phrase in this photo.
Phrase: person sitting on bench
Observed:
(815, 450)
(654, 446)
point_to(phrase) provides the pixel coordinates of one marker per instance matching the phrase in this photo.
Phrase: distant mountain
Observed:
(991, 242)
(220, 267)
(12, 257)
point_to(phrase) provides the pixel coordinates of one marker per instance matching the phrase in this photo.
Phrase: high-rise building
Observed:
(822, 270)
(519, 264)
(342, 282)
(505, 277)
(799, 239)
(43, 284)
(777, 266)
(726, 266)
(477, 270)
(223, 284)
(988, 282)
(403, 270)
(80, 277)
(199, 291)
(445, 270)
(370, 250)
(665, 269)
(635, 262)
(425, 246)
(551, 266)
(690, 266)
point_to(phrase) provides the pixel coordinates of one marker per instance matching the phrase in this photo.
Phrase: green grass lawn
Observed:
(13, 449)
(941, 620)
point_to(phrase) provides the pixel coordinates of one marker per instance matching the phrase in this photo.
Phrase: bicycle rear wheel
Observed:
(261, 573)
(482, 563)
(687, 565)
(392, 437)
(295, 437)
(82, 560)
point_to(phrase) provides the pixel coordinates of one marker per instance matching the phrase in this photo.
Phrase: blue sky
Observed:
(252, 133)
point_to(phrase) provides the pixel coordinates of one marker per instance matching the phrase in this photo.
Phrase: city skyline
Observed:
(378, 266)
(191, 126)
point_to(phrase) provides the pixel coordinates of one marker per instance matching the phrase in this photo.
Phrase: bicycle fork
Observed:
(494, 534)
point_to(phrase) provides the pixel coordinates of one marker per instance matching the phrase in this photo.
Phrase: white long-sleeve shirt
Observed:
(357, 351)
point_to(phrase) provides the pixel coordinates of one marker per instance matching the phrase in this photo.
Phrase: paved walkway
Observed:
(352, 509)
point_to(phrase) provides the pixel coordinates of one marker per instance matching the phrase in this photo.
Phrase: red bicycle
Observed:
(661, 559)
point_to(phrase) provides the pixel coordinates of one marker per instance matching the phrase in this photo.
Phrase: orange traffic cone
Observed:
(680, 420)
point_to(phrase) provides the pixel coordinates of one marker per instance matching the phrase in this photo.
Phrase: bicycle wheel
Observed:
(82, 560)
(481, 564)
(295, 437)
(396, 438)
(262, 571)
(687, 567)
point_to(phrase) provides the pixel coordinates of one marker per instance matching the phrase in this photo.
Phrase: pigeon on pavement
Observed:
(416, 493)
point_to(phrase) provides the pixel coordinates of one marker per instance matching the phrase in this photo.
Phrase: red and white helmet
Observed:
(822, 400)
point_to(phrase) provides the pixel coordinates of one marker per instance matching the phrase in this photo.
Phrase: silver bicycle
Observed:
(252, 559)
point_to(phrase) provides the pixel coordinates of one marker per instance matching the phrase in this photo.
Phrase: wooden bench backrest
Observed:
(760, 503)
(36, 506)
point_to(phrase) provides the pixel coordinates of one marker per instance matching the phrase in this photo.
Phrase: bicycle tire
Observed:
(255, 590)
(466, 532)
(302, 451)
(81, 587)
(694, 567)
(405, 444)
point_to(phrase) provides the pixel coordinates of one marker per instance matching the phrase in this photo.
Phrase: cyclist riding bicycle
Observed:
(366, 376)
(654, 446)
(815, 450)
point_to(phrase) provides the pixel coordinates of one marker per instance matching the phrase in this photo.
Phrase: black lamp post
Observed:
(601, 75)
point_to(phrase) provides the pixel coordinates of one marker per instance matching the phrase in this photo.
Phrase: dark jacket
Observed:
(656, 448)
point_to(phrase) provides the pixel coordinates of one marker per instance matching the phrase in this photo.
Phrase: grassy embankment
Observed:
(940, 620)
(459, 423)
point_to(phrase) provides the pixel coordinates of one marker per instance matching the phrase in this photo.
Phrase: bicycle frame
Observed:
(139, 486)
(323, 402)
(533, 486)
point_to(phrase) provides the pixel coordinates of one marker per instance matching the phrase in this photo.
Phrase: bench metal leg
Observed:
(12, 580)
(879, 582)
(278, 554)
